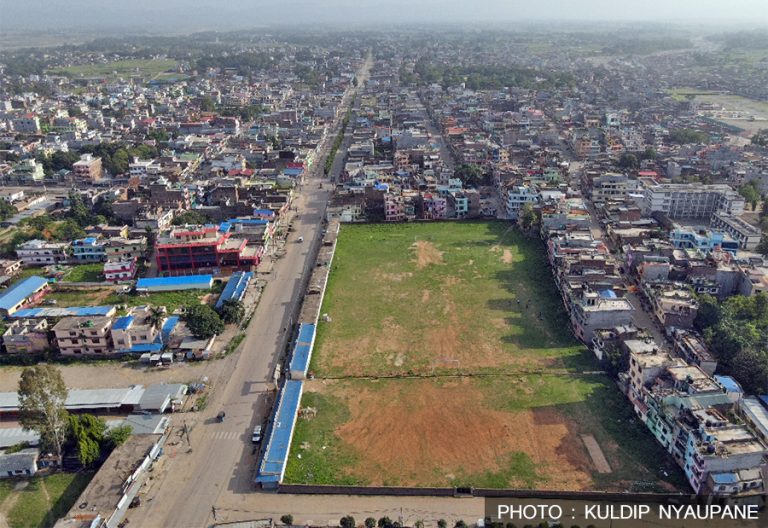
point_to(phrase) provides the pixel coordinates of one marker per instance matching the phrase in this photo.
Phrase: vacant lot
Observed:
(431, 373)
(123, 68)
(38, 502)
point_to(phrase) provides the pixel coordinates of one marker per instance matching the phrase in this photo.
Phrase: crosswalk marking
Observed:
(226, 435)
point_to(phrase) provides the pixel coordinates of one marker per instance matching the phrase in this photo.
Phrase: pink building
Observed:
(120, 270)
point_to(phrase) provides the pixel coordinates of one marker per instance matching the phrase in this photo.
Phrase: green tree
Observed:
(156, 316)
(750, 193)
(762, 247)
(442, 524)
(117, 436)
(232, 311)
(191, 217)
(347, 522)
(42, 394)
(287, 519)
(460, 524)
(86, 435)
(709, 312)
(6, 210)
(78, 211)
(527, 217)
(203, 321)
(628, 161)
(471, 175)
(207, 104)
(370, 522)
(384, 522)
(68, 230)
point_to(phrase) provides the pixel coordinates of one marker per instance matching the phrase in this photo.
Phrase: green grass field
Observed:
(431, 373)
(85, 273)
(43, 500)
(147, 68)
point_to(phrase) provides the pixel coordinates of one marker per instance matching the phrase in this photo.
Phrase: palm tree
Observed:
(156, 316)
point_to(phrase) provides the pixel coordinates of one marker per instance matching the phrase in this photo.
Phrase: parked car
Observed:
(256, 436)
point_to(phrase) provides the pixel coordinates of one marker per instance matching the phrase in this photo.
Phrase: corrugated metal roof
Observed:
(302, 352)
(235, 288)
(84, 398)
(183, 282)
(72, 311)
(20, 291)
(272, 467)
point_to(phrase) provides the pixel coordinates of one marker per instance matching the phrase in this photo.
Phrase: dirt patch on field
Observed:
(425, 296)
(395, 277)
(506, 257)
(426, 254)
(408, 433)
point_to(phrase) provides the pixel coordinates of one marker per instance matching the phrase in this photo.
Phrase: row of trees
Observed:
(683, 136)
(736, 331)
(384, 522)
(42, 395)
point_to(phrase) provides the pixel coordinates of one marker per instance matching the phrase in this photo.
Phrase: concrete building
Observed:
(692, 200)
(26, 336)
(120, 270)
(88, 168)
(747, 235)
(89, 249)
(27, 291)
(76, 336)
(42, 253)
(593, 311)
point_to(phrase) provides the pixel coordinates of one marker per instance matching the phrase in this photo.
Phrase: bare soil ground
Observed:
(111, 375)
(426, 254)
(412, 441)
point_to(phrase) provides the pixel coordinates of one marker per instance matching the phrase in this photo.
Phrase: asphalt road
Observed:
(221, 462)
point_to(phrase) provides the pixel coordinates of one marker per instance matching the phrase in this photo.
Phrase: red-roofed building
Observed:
(204, 248)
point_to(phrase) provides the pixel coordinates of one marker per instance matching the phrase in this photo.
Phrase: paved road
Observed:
(221, 464)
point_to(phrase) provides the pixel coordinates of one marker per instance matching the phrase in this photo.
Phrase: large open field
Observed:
(449, 361)
(147, 68)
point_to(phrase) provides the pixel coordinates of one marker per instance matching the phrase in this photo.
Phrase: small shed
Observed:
(21, 464)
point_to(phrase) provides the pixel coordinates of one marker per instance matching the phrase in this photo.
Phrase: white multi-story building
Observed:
(517, 195)
(42, 253)
(747, 235)
(692, 200)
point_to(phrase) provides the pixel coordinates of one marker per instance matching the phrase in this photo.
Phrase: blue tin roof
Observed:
(122, 323)
(248, 221)
(20, 291)
(724, 478)
(235, 288)
(302, 352)
(142, 348)
(272, 467)
(76, 311)
(185, 281)
(168, 327)
(263, 212)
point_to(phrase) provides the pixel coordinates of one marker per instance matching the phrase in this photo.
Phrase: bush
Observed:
(347, 522)
(370, 522)
(287, 519)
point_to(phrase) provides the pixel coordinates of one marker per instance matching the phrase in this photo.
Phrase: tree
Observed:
(442, 524)
(649, 154)
(6, 210)
(709, 312)
(762, 247)
(750, 193)
(203, 321)
(628, 161)
(232, 312)
(86, 437)
(527, 217)
(287, 519)
(68, 230)
(370, 522)
(191, 217)
(470, 174)
(207, 104)
(117, 436)
(347, 522)
(460, 524)
(156, 316)
(384, 522)
(42, 394)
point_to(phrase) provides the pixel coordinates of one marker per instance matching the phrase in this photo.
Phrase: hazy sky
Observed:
(156, 15)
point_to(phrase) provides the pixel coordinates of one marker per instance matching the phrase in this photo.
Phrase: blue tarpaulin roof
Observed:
(169, 283)
(248, 221)
(20, 291)
(608, 294)
(123, 323)
(263, 212)
(730, 384)
(272, 467)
